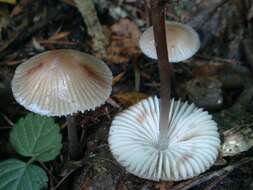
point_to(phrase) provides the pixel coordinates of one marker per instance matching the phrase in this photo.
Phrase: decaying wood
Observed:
(93, 25)
(208, 176)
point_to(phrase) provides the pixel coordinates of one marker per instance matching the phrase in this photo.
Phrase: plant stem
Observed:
(165, 70)
(74, 145)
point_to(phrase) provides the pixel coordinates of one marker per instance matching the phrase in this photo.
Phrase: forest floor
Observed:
(218, 78)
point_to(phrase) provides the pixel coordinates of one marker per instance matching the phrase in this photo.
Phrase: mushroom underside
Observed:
(193, 141)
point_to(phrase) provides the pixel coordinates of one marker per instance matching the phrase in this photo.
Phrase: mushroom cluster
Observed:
(186, 142)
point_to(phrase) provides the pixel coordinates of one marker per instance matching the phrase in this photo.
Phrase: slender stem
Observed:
(74, 145)
(165, 70)
(148, 12)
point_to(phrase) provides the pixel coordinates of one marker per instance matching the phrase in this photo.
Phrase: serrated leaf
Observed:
(36, 136)
(18, 175)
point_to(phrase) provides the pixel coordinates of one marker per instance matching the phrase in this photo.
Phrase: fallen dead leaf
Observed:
(164, 185)
(19, 8)
(59, 35)
(86, 185)
(206, 70)
(130, 98)
(127, 28)
(121, 186)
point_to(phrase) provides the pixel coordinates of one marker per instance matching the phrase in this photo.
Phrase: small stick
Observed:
(165, 69)
(52, 177)
(8, 120)
(219, 179)
(63, 179)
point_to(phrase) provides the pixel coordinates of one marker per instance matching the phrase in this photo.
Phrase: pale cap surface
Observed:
(182, 42)
(61, 82)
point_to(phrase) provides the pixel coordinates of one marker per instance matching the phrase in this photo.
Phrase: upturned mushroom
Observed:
(191, 148)
(163, 139)
(61, 83)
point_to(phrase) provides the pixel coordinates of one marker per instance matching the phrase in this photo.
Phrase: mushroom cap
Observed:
(193, 141)
(61, 82)
(182, 42)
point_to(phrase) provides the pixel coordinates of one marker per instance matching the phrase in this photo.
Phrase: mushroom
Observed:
(61, 83)
(165, 139)
(182, 42)
(192, 142)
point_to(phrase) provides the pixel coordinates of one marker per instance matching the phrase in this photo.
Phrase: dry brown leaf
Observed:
(130, 98)
(59, 35)
(164, 185)
(127, 28)
(121, 186)
(19, 8)
(124, 41)
(206, 70)
(86, 185)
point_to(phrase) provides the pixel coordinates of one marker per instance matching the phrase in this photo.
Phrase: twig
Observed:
(8, 120)
(206, 177)
(213, 184)
(63, 179)
(49, 172)
(93, 25)
(81, 164)
(218, 59)
(57, 42)
(5, 128)
(211, 13)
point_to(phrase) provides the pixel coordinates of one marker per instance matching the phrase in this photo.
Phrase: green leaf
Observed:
(36, 136)
(18, 175)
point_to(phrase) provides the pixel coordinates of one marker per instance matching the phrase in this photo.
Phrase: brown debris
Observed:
(93, 25)
(124, 42)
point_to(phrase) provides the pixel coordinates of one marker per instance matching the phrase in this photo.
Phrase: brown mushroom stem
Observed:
(74, 145)
(165, 70)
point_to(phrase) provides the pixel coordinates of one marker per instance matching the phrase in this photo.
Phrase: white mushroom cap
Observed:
(61, 82)
(182, 42)
(193, 141)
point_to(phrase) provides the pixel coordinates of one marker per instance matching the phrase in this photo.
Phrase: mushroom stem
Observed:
(74, 146)
(165, 70)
